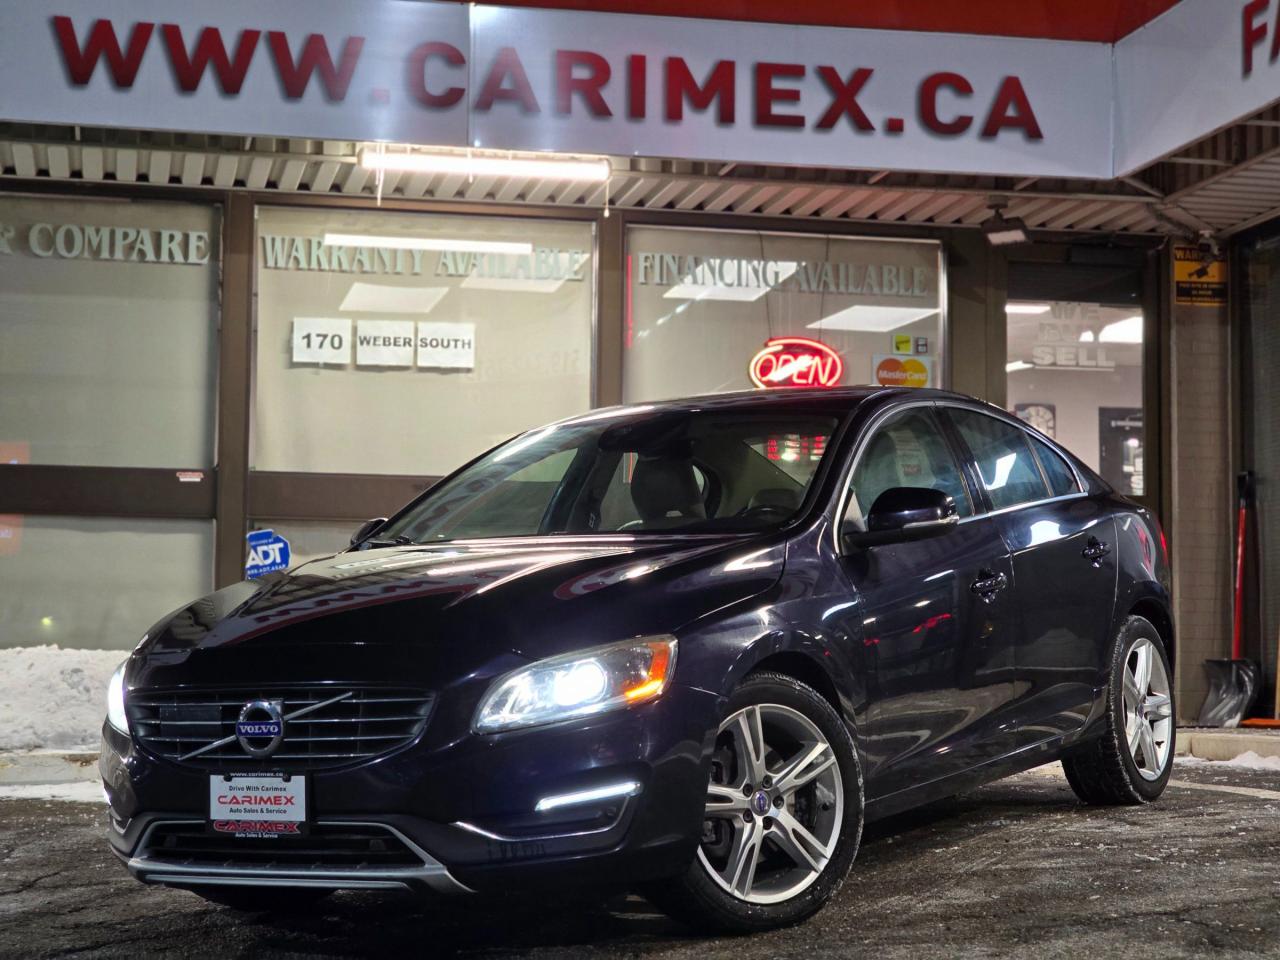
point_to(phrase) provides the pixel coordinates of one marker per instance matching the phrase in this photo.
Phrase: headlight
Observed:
(579, 684)
(115, 701)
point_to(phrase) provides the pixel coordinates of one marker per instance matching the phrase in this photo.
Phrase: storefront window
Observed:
(108, 320)
(396, 343)
(710, 311)
(1075, 374)
(98, 584)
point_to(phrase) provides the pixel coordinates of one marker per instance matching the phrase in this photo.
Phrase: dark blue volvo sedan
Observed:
(687, 648)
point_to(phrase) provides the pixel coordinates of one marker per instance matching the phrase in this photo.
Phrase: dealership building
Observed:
(279, 267)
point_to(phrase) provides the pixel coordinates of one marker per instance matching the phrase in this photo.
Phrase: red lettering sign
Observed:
(796, 362)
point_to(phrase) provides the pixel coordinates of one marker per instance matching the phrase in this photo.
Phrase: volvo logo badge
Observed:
(260, 727)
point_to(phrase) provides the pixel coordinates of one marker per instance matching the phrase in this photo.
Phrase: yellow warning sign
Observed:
(1198, 281)
(902, 344)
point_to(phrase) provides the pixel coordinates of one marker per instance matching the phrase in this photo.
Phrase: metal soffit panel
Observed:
(332, 168)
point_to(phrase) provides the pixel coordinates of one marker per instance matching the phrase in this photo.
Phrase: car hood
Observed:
(451, 609)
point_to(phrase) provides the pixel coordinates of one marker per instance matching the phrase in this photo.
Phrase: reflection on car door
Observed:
(1064, 574)
(935, 614)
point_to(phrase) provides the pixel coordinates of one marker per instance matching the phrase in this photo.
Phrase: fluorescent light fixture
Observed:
(1005, 232)
(385, 298)
(512, 284)
(1029, 309)
(699, 286)
(550, 168)
(1128, 330)
(453, 244)
(866, 318)
(628, 788)
(1016, 365)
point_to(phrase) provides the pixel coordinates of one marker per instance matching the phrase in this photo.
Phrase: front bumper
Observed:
(460, 816)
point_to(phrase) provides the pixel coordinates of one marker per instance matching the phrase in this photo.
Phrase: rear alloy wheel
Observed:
(1131, 762)
(783, 814)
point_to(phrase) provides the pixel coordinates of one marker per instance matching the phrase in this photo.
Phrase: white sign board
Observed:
(322, 340)
(384, 343)
(447, 346)
(453, 74)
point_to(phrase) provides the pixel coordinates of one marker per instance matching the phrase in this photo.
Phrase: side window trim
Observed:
(989, 510)
(851, 467)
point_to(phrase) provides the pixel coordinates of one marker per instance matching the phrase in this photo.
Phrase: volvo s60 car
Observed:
(686, 648)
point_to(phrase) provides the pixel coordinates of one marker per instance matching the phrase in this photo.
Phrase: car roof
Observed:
(789, 399)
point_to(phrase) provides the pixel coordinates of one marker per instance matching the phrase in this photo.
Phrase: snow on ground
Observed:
(54, 698)
(80, 791)
(1249, 760)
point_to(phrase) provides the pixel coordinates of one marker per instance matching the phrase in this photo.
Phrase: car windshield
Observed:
(628, 472)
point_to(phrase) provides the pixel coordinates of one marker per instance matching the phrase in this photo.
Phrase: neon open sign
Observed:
(796, 362)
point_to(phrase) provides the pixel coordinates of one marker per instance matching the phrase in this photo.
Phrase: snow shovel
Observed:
(1233, 684)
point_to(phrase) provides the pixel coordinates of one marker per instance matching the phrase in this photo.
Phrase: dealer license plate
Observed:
(258, 805)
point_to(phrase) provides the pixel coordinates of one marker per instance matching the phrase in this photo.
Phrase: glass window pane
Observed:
(1062, 479)
(1075, 374)
(98, 583)
(1009, 472)
(710, 311)
(908, 450)
(409, 343)
(108, 326)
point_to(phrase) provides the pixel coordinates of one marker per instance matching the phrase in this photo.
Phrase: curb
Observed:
(1208, 744)
(47, 766)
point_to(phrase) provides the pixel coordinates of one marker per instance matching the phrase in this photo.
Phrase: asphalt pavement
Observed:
(1015, 869)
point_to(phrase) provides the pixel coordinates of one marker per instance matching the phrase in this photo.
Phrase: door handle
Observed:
(1095, 550)
(988, 585)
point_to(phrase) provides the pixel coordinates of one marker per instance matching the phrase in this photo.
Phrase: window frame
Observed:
(961, 454)
(1028, 434)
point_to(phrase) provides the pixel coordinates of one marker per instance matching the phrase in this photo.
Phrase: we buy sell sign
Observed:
(452, 74)
(458, 75)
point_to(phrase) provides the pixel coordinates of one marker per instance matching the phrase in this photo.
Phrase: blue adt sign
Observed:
(268, 552)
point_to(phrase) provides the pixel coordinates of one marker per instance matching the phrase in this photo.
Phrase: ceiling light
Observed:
(454, 244)
(867, 318)
(512, 284)
(1128, 330)
(1016, 365)
(385, 298)
(1005, 232)
(551, 168)
(699, 286)
(1030, 309)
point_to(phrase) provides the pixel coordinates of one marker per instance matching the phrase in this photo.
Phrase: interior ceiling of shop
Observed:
(1223, 184)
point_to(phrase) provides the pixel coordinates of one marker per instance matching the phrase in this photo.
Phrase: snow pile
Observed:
(54, 698)
(1249, 760)
(79, 791)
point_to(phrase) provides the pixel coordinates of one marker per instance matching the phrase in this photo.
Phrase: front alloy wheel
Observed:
(774, 805)
(783, 814)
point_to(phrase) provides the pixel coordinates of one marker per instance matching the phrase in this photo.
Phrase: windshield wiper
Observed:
(399, 540)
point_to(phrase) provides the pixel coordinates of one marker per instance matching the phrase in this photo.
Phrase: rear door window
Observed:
(1008, 469)
(1062, 480)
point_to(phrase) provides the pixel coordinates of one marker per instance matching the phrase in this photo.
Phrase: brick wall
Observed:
(1200, 521)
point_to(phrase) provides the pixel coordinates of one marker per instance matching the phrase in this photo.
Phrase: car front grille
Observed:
(327, 847)
(360, 723)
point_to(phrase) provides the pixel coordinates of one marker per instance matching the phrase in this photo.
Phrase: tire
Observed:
(262, 899)
(758, 870)
(1124, 766)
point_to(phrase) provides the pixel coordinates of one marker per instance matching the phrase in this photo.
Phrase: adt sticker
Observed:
(268, 552)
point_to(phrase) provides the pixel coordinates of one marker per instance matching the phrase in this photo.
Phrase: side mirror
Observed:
(366, 530)
(902, 514)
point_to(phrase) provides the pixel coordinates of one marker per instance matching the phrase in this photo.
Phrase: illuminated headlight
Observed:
(579, 684)
(115, 701)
